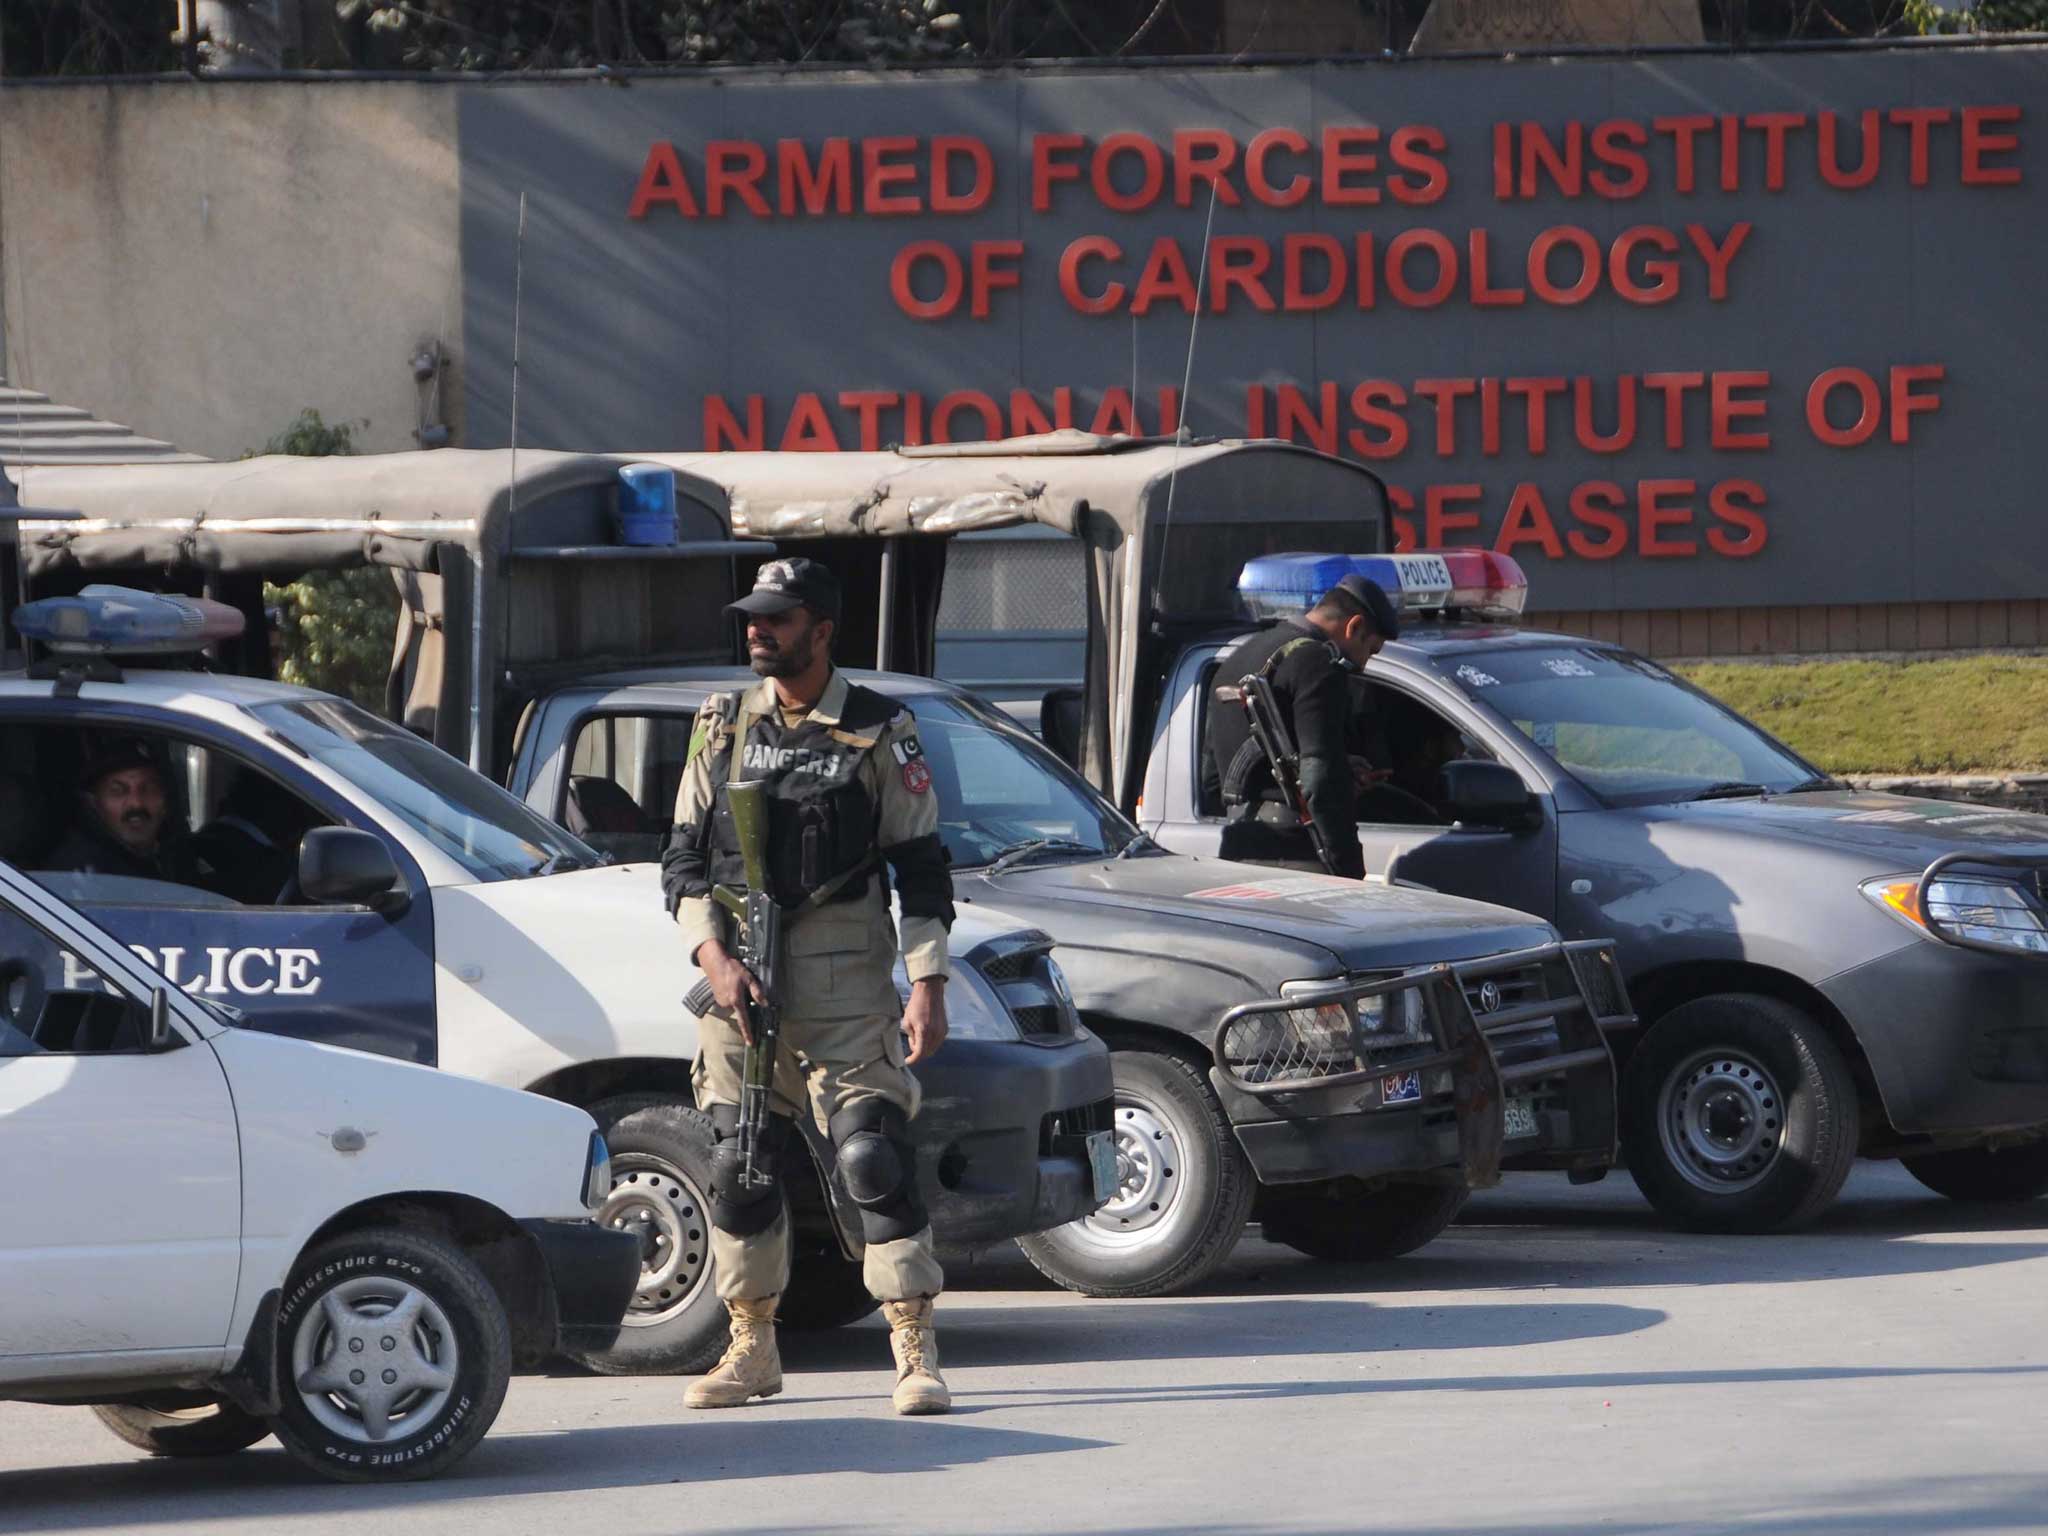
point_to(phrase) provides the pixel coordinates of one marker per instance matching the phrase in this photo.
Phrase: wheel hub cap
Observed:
(1148, 1164)
(1722, 1121)
(379, 1361)
(665, 1211)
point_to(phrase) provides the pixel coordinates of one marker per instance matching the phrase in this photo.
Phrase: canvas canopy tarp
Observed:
(1167, 526)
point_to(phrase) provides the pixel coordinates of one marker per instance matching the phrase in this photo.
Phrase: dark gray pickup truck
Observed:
(1341, 1061)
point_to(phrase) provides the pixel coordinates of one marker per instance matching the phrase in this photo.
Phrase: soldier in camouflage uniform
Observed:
(849, 792)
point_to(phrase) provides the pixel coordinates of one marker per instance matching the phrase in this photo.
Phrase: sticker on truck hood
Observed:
(1322, 890)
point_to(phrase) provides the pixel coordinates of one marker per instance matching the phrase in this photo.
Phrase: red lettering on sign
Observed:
(1528, 522)
(1655, 513)
(1775, 126)
(735, 168)
(1661, 286)
(812, 186)
(662, 181)
(1918, 123)
(1867, 167)
(1205, 155)
(1101, 248)
(1151, 172)
(960, 400)
(1598, 504)
(1028, 417)
(1536, 393)
(1728, 410)
(1484, 294)
(1347, 153)
(1116, 414)
(1618, 146)
(809, 429)
(1297, 420)
(1719, 255)
(902, 280)
(1673, 387)
(882, 171)
(1869, 408)
(1446, 393)
(1440, 522)
(1543, 285)
(1295, 294)
(1418, 155)
(722, 429)
(1398, 250)
(1905, 403)
(1564, 167)
(1977, 144)
(1624, 434)
(1258, 176)
(1684, 133)
(1166, 276)
(1050, 165)
(868, 405)
(1369, 403)
(981, 165)
(1738, 503)
(1240, 262)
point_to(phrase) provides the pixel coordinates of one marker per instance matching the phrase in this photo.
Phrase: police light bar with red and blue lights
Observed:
(1478, 582)
(120, 621)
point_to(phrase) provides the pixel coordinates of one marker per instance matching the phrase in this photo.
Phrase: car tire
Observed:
(443, 1372)
(826, 1290)
(2005, 1176)
(208, 1429)
(1342, 1222)
(1185, 1194)
(661, 1189)
(1738, 1114)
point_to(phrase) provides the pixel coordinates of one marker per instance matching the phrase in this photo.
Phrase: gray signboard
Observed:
(1681, 331)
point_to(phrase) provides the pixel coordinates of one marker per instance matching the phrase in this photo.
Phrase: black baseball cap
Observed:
(1367, 594)
(115, 755)
(782, 585)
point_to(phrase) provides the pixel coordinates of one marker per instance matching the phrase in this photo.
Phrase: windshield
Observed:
(1622, 726)
(478, 825)
(999, 790)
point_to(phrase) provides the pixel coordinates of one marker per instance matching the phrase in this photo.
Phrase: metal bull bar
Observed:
(1551, 1052)
(2033, 863)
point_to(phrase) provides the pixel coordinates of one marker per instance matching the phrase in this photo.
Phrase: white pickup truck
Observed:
(213, 1235)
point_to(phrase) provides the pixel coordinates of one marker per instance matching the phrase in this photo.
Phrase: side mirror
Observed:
(161, 1036)
(1489, 795)
(345, 866)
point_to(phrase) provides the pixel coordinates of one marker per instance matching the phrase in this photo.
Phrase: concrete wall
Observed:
(202, 260)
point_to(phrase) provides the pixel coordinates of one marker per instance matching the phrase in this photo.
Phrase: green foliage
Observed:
(544, 34)
(1974, 714)
(335, 629)
(1988, 16)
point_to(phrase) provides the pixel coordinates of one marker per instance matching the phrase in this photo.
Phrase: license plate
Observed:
(1401, 1088)
(1521, 1118)
(1102, 1163)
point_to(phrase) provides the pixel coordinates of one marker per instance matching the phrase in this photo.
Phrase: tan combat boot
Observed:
(751, 1367)
(919, 1386)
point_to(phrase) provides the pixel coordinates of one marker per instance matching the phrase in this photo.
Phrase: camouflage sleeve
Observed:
(685, 865)
(908, 831)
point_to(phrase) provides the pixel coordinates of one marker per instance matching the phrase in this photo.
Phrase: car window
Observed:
(483, 828)
(138, 817)
(1400, 746)
(54, 1003)
(999, 788)
(1623, 726)
(620, 791)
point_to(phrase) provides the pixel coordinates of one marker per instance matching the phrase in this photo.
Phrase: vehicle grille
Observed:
(1020, 968)
(1529, 1040)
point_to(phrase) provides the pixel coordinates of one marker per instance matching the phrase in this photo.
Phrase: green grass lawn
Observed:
(1976, 714)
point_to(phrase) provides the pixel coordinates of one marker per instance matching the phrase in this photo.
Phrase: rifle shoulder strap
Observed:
(1248, 757)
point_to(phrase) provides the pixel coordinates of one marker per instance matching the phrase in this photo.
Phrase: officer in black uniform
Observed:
(1309, 662)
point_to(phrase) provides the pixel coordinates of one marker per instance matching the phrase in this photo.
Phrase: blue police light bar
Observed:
(120, 621)
(1476, 581)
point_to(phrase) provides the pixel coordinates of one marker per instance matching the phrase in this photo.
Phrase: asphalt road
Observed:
(1554, 1364)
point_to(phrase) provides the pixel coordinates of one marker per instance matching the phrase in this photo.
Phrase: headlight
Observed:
(597, 1172)
(1972, 907)
(1388, 1018)
(973, 1011)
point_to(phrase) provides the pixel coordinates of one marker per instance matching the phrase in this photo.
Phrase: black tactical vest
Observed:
(821, 818)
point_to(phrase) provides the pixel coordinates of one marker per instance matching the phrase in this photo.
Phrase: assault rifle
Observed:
(759, 949)
(1275, 741)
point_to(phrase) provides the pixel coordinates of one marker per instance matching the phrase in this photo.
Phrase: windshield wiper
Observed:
(1137, 844)
(1017, 852)
(1730, 790)
(558, 863)
(1809, 786)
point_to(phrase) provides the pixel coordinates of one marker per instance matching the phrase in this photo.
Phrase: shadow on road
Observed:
(259, 1486)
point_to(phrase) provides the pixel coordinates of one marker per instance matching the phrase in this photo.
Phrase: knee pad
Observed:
(871, 1142)
(736, 1209)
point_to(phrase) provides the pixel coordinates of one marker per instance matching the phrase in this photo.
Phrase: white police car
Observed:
(339, 880)
(214, 1235)
(1817, 971)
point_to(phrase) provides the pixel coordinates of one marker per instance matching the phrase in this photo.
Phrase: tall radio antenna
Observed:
(1180, 414)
